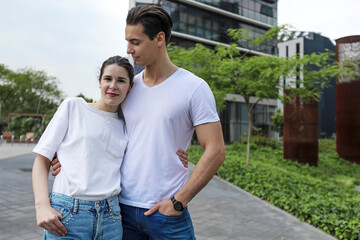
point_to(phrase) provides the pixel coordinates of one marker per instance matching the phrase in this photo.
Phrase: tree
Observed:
(278, 118)
(89, 100)
(27, 91)
(256, 78)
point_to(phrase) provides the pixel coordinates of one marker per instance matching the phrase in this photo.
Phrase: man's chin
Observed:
(139, 63)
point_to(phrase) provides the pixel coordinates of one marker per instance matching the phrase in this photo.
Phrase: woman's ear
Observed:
(130, 87)
(99, 83)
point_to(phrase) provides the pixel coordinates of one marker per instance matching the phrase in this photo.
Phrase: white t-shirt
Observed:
(90, 145)
(159, 121)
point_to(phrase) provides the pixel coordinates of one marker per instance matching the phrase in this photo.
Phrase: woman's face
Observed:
(114, 85)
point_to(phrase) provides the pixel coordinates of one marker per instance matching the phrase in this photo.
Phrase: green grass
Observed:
(323, 196)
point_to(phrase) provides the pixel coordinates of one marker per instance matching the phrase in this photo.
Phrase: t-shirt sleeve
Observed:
(202, 106)
(54, 132)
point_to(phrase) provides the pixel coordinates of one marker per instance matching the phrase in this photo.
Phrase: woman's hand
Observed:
(183, 156)
(48, 218)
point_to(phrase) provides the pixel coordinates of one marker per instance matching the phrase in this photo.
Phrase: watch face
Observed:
(178, 206)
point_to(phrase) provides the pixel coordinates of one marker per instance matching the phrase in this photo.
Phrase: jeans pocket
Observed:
(63, 210)
(174, 217)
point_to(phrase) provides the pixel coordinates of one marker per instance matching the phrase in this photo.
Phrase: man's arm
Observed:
(56, 166)
(211, 139)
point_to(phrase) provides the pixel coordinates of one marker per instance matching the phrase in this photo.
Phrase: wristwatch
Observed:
(177, 205)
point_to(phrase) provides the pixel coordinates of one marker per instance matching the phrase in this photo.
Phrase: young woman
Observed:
(90, 141)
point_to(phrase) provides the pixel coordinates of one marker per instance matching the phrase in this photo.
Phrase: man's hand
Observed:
(183, 156)
(165, 207)
(55, 165)
(48, 218)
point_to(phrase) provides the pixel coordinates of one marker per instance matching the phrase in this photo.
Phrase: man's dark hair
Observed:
(153, 18)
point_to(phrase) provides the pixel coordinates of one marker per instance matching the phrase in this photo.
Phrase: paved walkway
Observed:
(219, 212)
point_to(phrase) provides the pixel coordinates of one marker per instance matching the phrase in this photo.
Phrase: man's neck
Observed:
(158, 72)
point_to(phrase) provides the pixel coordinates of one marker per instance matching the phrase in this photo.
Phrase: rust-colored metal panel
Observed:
(301, 131)
(348, 103)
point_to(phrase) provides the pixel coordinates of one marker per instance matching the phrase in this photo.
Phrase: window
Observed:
(266, 10)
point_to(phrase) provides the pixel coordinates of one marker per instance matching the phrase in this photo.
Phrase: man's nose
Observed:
(129, 49)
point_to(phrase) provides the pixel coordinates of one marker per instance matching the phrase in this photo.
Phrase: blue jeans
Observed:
(157, 226)
(87, 219)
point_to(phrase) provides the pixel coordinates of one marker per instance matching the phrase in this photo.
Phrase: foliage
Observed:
(229, 70)
(89, 100)
(278, 119)
(21, 125)
(28, 91)
(323, 197)
(204, 63)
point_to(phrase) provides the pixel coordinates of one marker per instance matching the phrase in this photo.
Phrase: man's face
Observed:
(142, 49)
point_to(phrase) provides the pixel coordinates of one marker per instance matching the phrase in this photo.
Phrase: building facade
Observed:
(206, 22)
(306, 43)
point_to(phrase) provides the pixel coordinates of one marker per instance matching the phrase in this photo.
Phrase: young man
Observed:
(161, 112)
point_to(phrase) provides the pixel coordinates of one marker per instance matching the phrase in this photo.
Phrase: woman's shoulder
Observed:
(73, 100)
(70, 102)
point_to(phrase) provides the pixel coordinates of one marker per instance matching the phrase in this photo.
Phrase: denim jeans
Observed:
(137, 226)
(87, 219)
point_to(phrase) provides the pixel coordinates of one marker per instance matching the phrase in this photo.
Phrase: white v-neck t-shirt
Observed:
(90, 145)
(159, 121)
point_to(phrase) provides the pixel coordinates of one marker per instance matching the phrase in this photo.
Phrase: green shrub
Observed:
(323, 196)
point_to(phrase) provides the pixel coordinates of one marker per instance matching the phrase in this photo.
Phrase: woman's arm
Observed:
(46, 216)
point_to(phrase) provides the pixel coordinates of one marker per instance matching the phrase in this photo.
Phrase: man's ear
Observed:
(160, 38)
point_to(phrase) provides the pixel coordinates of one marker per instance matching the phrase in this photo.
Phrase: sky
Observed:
(70, 39)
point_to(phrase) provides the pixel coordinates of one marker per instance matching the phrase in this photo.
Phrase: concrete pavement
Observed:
(220, 211)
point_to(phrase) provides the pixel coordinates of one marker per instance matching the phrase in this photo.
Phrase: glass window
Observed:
(251, 14)
(200, 32)
(208, 34)
(199, 21)
(266, 10)
(257, 7)
(246, 4)
(183, 27)
(251, 5)
(192, 30)
(207, 23)
(183, 16)
(245, 12)
(192, 19)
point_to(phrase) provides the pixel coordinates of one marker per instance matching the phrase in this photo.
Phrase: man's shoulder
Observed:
(186, 75)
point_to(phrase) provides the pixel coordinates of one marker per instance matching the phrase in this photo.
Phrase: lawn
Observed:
(323, 196)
